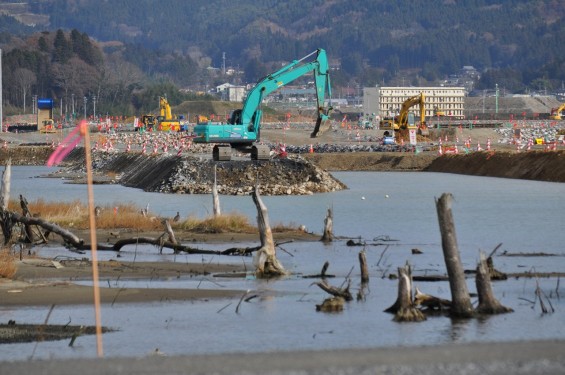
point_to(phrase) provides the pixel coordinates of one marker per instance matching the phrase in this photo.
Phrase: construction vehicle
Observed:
(241, 132)
(148, 122)
(165, 120)
(556, 112)
(438, 112)
(400, 122)
(47, 126)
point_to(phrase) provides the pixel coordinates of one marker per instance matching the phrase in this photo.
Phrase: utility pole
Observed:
(224, 63)
(496, 98)
(94, 105)
(84, 107)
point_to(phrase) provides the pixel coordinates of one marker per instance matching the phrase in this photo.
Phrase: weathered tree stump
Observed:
(488, 304)
(332, 304)
(403, 308)
(215, 197)
(5, 217)
(265, 260)
(363, 266)
(328, 227)
(170, 232)
(461, 306)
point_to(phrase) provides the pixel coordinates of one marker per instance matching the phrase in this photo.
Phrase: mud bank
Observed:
(533, 165)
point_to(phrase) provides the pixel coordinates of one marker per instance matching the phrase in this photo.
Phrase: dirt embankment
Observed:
(371, 161)
(533, 165)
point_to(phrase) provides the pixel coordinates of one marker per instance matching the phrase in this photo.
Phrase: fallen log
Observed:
(431, 302)
(68, 236)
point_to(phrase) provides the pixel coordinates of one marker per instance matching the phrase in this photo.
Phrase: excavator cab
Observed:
(235, 117)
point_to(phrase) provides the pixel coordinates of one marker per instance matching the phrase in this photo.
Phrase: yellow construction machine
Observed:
(165, 120)
(400, 122)
(556, 112)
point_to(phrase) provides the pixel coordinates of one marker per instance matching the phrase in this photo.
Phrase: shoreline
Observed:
(520, 357)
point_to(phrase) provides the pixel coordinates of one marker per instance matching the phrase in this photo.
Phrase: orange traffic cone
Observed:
(311, 150)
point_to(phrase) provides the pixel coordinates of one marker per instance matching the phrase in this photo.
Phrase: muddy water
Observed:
(525, 216)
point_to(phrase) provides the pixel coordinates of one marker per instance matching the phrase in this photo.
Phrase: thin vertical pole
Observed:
(95, 279)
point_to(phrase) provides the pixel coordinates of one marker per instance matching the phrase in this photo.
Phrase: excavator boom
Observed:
(556, 112)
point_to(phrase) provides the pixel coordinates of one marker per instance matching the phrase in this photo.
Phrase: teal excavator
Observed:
(242, 130)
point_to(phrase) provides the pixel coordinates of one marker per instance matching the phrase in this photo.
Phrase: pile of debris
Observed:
(195, 175)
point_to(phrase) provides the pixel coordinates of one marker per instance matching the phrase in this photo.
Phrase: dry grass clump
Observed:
(234, 223)
(7, 263)
(75, 215)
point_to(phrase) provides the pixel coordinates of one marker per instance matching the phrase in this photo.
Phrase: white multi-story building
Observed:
(387, 101)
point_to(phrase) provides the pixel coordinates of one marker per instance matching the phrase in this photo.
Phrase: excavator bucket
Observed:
(322, 124)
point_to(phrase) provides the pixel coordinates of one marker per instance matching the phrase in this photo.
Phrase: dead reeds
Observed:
(7, 263)
(74, 215)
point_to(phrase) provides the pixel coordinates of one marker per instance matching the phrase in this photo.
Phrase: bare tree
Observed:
(24, 78)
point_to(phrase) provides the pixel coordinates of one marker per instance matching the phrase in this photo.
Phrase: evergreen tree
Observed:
(62, 48)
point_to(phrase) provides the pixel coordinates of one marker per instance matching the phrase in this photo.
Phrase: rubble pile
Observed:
(195, 175)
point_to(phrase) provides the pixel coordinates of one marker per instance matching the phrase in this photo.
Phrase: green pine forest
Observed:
(128, 52)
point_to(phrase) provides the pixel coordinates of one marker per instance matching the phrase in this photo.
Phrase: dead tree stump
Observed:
(363, 266)
(215, 197)
(170, 232)
(404, 309)
(488, 304)
(265, 260)
(328, 227)
(5, 217)
(461, 306)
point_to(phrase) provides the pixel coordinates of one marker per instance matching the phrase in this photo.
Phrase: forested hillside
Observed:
(517, 44)
(436, 36)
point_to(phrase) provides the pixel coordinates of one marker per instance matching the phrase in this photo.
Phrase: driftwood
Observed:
(266, 262)
(322, 274)
(328, 227)
(215, 197)
(334, 291)
(69, 237)
(488, 304)
(461, 301)
(430, 302)
(404, 309)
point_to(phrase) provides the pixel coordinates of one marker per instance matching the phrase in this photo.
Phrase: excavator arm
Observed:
(409, 103)
(250, 114)
(556, 112)
(243, 125)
